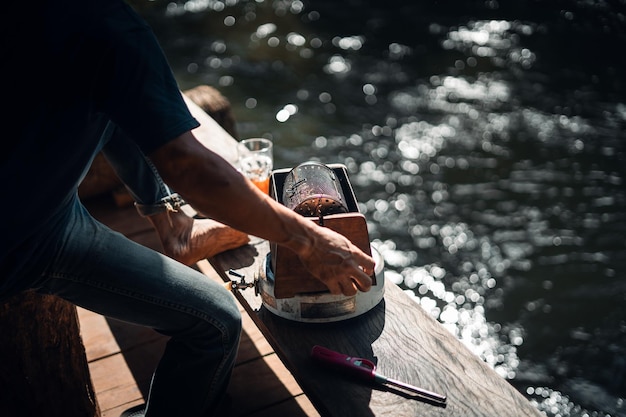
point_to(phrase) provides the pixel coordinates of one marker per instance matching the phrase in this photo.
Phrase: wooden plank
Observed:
(298, 406)
(119, 409)
(122, 380)
(257, 382)
(255, 388)
(96, 335)
(399, 336)
(115, 383)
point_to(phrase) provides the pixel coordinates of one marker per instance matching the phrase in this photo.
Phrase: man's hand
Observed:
(338, 263)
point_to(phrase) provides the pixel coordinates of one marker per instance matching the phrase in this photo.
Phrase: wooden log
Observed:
(43, 367)
(213, 103)
(101, 178)
(397, 335)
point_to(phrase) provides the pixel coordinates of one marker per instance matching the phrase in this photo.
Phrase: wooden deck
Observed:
(122, 357)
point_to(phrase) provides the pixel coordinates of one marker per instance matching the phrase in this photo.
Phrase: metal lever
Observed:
(242, 284)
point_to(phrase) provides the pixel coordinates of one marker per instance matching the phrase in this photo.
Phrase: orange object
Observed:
(263, 185)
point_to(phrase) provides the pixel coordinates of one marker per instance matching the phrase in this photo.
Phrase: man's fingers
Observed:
(367, 263)
(353, 279)
(348, 287)
(357, 281)
(344, 270)
(363, 282)
(361, 276)
(334, 287)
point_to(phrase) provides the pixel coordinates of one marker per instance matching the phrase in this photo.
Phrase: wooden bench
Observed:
(398, 335)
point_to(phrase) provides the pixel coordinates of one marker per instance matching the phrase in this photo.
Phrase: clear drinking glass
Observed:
(256, 161)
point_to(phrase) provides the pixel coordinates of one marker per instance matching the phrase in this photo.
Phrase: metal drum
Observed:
(312, 190)
(321, 307)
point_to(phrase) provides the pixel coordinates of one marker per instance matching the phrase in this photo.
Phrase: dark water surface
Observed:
(485, 142)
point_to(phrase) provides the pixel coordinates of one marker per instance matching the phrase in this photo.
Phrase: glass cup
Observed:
(256, 161)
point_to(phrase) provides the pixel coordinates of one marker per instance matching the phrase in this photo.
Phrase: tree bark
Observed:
(43, 367)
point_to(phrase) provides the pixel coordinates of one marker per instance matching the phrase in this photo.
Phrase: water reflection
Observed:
(485, 145)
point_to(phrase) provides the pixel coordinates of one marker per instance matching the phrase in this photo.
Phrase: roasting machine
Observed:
(323, 194)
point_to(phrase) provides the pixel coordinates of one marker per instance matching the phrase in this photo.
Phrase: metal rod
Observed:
(420, 391)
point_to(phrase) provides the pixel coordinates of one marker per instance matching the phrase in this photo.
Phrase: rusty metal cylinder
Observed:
(312, 189)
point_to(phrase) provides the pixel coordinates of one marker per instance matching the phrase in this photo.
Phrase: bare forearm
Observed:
(214, 188)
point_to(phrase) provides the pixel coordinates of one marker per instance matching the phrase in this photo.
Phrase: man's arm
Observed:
(215, 188)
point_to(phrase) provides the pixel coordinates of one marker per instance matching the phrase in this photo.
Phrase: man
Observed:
(102, 65)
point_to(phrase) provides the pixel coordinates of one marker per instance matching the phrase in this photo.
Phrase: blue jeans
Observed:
(101, 270)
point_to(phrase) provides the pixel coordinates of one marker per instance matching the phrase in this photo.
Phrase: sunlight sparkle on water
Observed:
(286, 112)
(337, 65)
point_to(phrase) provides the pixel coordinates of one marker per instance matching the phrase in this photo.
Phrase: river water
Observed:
(485, 143)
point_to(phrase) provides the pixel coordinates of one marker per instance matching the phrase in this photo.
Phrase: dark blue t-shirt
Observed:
(74, 65)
